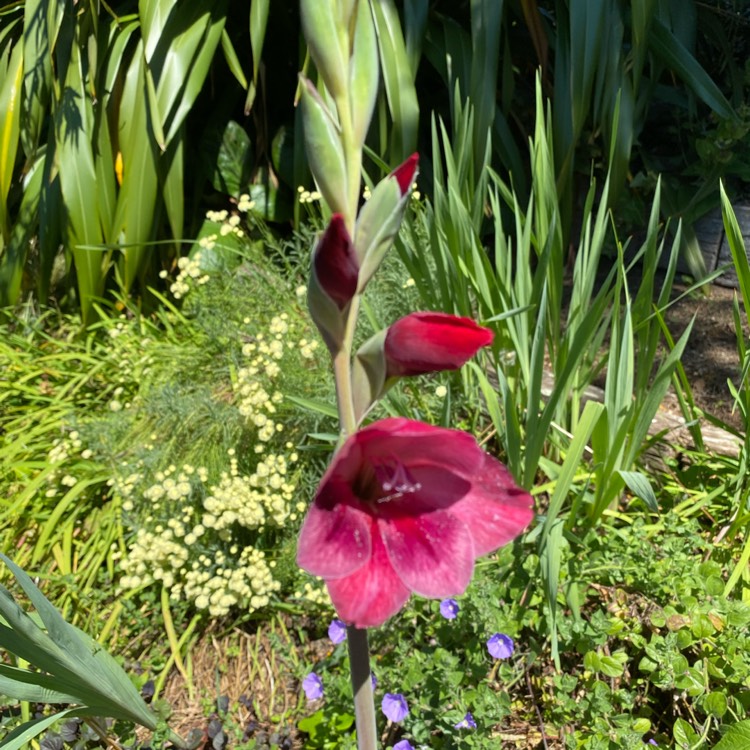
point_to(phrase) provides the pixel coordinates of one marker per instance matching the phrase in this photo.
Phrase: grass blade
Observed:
(398, 79)
(258, 23)
(677, 57)
(10, 116)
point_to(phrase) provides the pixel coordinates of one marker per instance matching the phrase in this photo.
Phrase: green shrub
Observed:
(174, 461)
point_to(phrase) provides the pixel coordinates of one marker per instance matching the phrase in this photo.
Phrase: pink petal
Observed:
(432, 554)
(419, 444)
(335, 539)
(496, 510)
(370, 596)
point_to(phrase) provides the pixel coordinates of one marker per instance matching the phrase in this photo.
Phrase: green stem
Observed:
(342, 372)
(353, 158)
(344, 403)
(359, 655)
(364, 706)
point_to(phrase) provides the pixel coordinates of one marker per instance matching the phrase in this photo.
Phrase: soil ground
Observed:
(710, 358)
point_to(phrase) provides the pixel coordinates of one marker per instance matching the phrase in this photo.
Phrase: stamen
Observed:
(395, 480)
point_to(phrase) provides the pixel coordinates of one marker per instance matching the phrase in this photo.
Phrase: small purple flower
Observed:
(313, 686)
(395, 707)
(403, 745)
(449, 609)
(652, 741)
(500, 646)
(466, 723)
(337, 631)
(373, 680)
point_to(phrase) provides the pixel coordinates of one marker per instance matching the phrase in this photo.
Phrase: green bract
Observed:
(326, 156)
(377, 225)
(329, 319)
(368, 374)
(324, 40)
(364, 73)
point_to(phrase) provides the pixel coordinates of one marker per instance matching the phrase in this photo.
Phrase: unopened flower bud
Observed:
(326, 43)
(425, 342)
(335, 264)
(418, 343)
(333, 282)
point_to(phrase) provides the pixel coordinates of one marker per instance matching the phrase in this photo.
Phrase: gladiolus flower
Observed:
(406, 507)
(428, 342)
(335, 263)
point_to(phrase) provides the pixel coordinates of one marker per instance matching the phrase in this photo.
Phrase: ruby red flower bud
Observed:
(429, 341)
(405, 173)
(335, 263)
(407, 507)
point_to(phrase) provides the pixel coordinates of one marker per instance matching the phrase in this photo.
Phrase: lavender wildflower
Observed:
(466, 723)
(337, 631)
(395, 707)
(500, 646)
(313, 686)
(449, 609)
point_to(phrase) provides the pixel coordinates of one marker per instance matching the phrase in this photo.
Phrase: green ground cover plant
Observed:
(146, 415)
(653, 651)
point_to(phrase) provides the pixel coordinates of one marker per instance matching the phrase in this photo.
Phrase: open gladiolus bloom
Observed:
(407, 507)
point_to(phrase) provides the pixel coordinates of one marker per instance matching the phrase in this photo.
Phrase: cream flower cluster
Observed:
(187, 552)
(261, 499)
(415, 195)
(316, 593)
(253, 399)
(205, 535)
(220, 583)
(154, 556)
(307, 196)
(62, 450)
(190, 273)
(230, 223)
(131, 348)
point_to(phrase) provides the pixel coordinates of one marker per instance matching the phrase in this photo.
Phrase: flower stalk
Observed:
(404, 507)
(364, 705)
